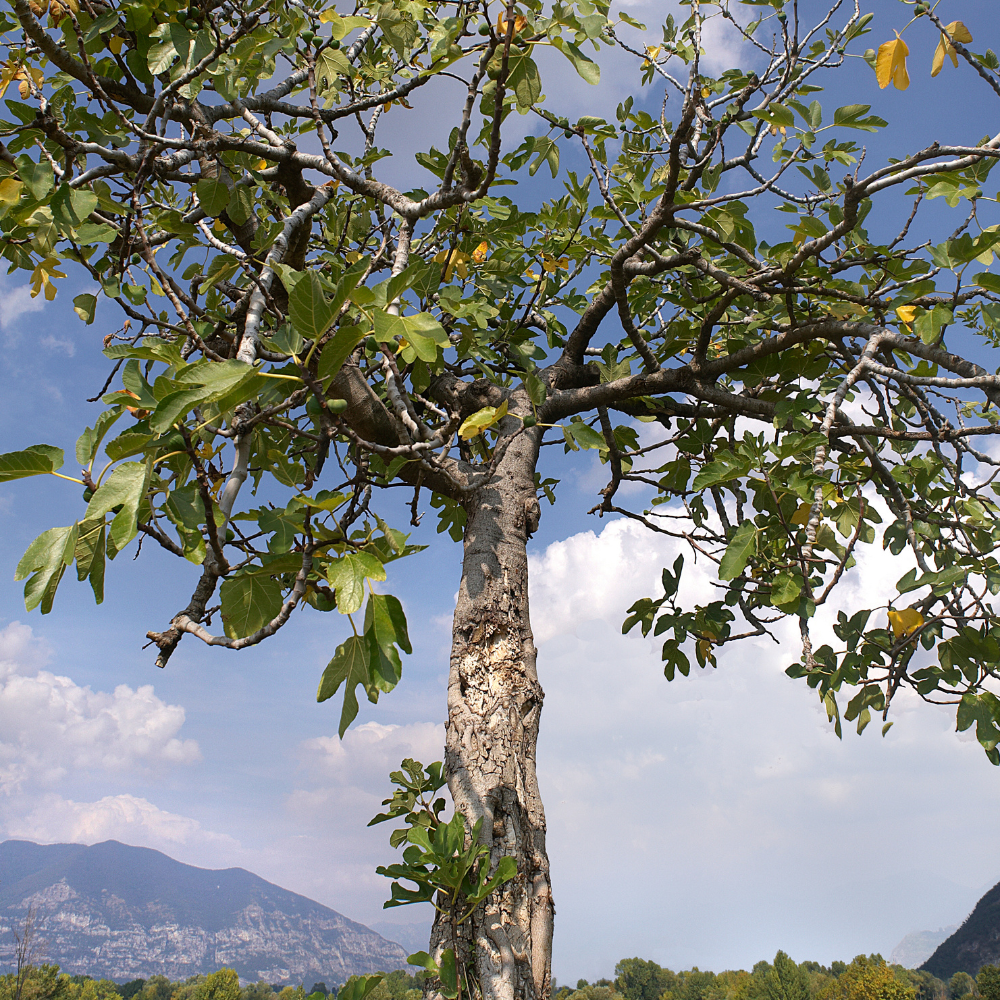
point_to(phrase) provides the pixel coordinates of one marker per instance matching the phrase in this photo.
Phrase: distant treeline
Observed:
(868, 977)
(46, 982)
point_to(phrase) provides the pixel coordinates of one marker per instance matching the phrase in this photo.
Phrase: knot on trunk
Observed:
(532, 515)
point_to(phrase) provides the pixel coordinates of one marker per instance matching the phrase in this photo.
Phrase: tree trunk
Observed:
(494, 703)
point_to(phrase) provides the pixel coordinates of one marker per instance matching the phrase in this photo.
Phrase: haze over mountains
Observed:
(123, 912)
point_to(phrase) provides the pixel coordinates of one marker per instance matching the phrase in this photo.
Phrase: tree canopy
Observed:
(287, 317)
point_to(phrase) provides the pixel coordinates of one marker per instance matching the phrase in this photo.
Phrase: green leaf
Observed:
(308, 309)
(37, 460)
(44, 564)
(776, 114)
(37, 177)
(927, 325)
(90, 439)
(388, 327)
(70, 207)
(523, 78)
(852, 116)
(240, 206)
(785, 588)
(331, 64)
(448, 974)
(346, 575)
(991, 282)
(95, 232)
(358, 987)
(249, 602)
(741, 547)
(89, 552)
(213, 196)
(388, 620)
(722, 470)
(160, 56)
(85, 307)
(584, 65)
(125, 486)
(175, 405)
(385, 628)
(349, 667)
(535, 388)
(337, 350)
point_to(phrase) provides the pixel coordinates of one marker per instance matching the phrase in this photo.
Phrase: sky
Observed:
(708, 821)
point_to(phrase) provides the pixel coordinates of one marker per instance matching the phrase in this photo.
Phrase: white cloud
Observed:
(126, 818)
(61, 345)
(51, 727)
(15, 302)
(700, 801)
(367, 753)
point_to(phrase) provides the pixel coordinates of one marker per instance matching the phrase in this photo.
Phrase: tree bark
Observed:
(494, 703)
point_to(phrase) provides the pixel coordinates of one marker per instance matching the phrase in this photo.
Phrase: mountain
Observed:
(123, 912)
(917, 947)
(975, 944)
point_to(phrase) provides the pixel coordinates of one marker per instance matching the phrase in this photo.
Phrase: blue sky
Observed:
(710, 821)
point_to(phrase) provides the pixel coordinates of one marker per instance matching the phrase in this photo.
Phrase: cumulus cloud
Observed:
(345, 777)
(697, 802)
(126, 817)
(52, 727)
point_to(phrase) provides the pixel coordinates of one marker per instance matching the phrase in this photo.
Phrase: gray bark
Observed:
(494, 703)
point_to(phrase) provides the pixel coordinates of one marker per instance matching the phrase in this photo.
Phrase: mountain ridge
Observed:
(121, 912)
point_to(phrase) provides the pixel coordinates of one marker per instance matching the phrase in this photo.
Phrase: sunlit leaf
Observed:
(890, 64)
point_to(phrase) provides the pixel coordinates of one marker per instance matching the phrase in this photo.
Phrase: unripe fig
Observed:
(335, 44)
(484, 29)
(307, 36)
(87, 495)
(336, 405)
(313, 407)
(530, 420)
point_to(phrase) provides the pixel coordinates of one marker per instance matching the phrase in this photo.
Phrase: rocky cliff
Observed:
(124, 912)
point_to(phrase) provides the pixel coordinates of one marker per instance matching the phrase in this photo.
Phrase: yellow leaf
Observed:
(115, 44)
(905, 622)
(24, 88)
(890, 64)
(10, 190)
(219, 226)
(519, 22)
(801, 516)
(479, 254)
(456, 261)
(262, 164)
(955, 30)
(481, 419)
(906, 314)
(958, 31)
